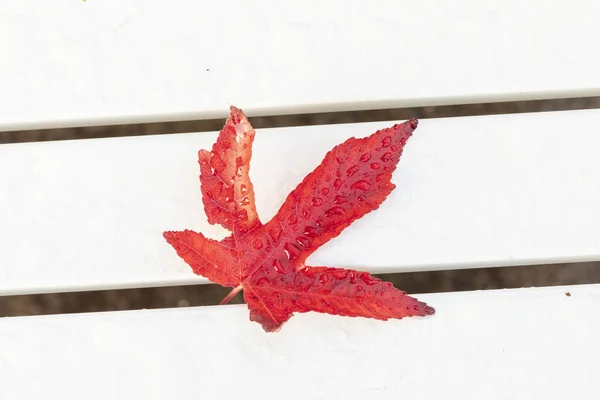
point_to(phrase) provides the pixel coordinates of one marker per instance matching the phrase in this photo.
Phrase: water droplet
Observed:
(316, 201)
(365, 157)
(378, 149)
(292, 250)
(243, 189)
(386, 157)
(334, 211)
(245, 201)
(358, 288)
(303, 241)
(268, 249)
(361, 198)
(386, 141)
(293, 219)
(306, 212)
(339, 159)
(323, 279)
(262, 281)
(375, 166)
(238, 172)
(416, 308)
(352, 170)
(327, 178)
(277, 265)
(362, 185)
(257, 244)
(379, 304)
(393, 148)
(311, 231)
(340, 200)
(337, 184)
(239, 162)
(324, 191)
(319, 222)
(338, 173)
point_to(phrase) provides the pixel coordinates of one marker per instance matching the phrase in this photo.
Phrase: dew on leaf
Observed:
(361, 185)
(375, 166)
(352, 170)
(292, 219)
(340, 199)
(263, 281)
(337, 184)
(365, 157)
(386, 157)
(334, 211)
(311, 231)
(305, 212)
(303, 241)
(386, 141)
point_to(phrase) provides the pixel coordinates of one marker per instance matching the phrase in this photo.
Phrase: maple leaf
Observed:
(267, 261)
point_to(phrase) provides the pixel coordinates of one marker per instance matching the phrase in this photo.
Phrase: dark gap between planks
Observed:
(204, 295)
(398, 114)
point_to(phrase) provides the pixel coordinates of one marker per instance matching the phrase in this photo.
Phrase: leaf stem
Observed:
(235, 291)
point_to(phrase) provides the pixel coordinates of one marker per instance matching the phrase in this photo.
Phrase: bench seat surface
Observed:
(471, 192)
(518, 343)
(145, 60)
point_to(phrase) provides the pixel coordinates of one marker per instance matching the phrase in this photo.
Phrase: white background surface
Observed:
(524, 343)
(472, 191)
(70, 62)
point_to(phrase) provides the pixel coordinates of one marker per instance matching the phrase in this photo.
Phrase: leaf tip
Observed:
(414, 123)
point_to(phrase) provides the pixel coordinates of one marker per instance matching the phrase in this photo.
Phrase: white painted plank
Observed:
(521, 343)
(471, 191)
(70, 62)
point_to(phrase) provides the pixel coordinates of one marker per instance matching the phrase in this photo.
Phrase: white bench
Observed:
(471, 191)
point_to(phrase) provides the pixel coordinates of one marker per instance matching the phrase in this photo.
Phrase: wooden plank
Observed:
(472, 191)
(74, 63)
(519, 343)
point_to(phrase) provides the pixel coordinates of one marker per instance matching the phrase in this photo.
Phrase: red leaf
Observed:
(267, 261)
(227, 193)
